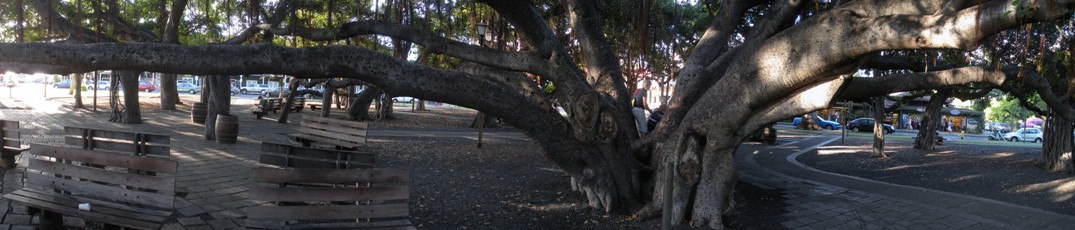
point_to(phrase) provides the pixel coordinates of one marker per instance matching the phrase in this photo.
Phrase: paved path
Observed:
(823, 200)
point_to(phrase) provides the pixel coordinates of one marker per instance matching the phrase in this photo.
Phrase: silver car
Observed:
(190, 88)
(1024, 134)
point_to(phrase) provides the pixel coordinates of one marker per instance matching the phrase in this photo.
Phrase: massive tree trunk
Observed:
(931, 121)
(1056, 151)
(290, 102)
(879, 127)
(169, 94)
(76, 87)
(360, 106)
(218, 91)
(326, 100)
(132, 113)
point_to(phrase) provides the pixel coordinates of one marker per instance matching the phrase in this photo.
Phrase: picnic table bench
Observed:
(297, 104)
(315, 107)
(11, 138)
(120, 189)
(310, 188)
(267, 105)
(342, 134)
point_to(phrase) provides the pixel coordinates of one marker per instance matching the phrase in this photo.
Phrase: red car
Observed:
(146, 86)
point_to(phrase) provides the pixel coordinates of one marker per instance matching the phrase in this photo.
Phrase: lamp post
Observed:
(482, 28)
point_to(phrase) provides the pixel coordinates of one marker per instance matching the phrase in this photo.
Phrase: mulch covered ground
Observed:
(1009, 174)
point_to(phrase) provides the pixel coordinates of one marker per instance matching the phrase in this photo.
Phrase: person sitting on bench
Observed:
(262, 106)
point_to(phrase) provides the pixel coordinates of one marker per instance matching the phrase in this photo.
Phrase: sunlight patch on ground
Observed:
(1062, 190)
(963, 178)
(903, 167)
(824, 151)
(999, 155)
(543, 208)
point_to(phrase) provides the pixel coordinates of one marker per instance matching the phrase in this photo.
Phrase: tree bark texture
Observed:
(1057, 147)
(76, 87)
(219, 102)
(168, 92)
(360, 106)
(326, 100)
(879, 127)
(132, 113)
(931, 121)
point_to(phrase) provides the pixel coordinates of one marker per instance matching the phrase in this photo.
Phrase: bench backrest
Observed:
(139, 144)
(120, 180)
(352, 132)
(10, 133)
(289, 156)
(385, 198)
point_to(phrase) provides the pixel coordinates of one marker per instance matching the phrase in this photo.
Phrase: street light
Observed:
(482, 30)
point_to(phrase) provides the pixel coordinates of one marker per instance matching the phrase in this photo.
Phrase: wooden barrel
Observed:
(227, 128)
(198, 113)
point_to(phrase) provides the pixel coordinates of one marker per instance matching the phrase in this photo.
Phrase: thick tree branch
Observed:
(516, 61)
(602, 66)
(811, 99)
(780, 15)
(529, 23)
(903, 63)
(73, 31)
(514, 80)
(283, 8)
(865, 87)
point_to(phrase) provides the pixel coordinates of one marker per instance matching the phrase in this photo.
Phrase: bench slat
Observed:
(343, 123)
(105, 191)
(146, 214)
(327, 154)
(336, 126)
(106, 158)
(335, 176)
(352, 136)
(326, 212)
(319, 139)
(119, 146)
(161, 184)
(56, 204)
(329, 194)
(300, 162)
(380, 225)
(121, 135)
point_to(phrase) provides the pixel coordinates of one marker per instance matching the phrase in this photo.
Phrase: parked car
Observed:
(187, 87)
(275, 92)
(403, 99)
(257, 88)
(825, 124)
(1025, 134)
(100, 85)
(62, 84)
(234, 90)
(146, 86)
(997, 126)
(866, 125)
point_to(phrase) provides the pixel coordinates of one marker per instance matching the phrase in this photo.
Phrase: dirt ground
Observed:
(1009, 174)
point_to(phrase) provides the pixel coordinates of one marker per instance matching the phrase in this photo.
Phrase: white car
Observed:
(1025, 134)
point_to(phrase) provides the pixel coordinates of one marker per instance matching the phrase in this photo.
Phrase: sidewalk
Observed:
(823, 200)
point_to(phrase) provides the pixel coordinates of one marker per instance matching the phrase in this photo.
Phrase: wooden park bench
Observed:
(297, 104)
(138, 144)
(11, 138)
(315, 107)
(341, 134)
(267, 105)
(289, 156)
(119, 189)
(310, 188)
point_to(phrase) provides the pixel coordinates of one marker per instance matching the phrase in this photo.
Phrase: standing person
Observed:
(639, 108)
